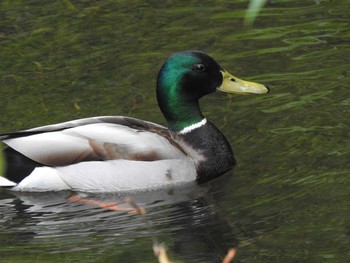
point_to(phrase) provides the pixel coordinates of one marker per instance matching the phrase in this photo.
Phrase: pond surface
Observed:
(287, 200)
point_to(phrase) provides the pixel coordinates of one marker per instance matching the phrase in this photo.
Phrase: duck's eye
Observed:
(199, 67)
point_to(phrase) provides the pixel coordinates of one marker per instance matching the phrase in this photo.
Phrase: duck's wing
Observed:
(97, 138)
(121, 120)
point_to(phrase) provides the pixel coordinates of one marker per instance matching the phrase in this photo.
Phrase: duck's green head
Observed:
(186, 77)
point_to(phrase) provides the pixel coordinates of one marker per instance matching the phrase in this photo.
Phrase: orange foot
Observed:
(230, 255)
(105, 205)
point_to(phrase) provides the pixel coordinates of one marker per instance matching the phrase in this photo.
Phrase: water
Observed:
(287, 200)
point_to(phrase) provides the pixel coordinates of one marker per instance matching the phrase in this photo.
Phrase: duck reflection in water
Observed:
(183, 218)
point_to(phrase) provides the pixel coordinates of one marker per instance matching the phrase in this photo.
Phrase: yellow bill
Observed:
(232, 84)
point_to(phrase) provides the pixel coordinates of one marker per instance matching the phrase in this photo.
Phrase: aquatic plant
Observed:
(253, 10)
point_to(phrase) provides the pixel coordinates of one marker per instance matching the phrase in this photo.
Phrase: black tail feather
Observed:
(17, 166)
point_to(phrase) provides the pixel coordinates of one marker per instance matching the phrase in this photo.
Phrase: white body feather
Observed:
(110, 176)
(123, 158)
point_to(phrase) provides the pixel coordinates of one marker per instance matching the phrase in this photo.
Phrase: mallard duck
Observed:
(116, 153)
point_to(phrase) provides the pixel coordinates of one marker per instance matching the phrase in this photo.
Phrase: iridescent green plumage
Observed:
(181, 83)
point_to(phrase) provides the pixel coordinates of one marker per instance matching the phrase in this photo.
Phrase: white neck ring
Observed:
(193, 126)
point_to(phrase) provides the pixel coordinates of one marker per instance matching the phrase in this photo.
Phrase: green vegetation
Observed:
(253, 10)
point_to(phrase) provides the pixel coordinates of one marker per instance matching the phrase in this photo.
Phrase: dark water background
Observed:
(287, 200)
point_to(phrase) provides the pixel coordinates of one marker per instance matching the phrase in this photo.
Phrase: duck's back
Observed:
(95, 150)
